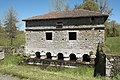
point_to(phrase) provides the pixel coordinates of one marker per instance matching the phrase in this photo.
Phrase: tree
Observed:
(88, 5)
(104, 8)
(10, 24)
(111, 29)
(90, 0)
(0, 25)
(58, 5)
(67, 7)
(95, 5)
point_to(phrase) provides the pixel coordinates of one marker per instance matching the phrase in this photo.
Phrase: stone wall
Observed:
(87, 41)
(105, 64)
(112, 65)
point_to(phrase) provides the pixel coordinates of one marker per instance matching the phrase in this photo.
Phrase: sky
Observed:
(29, 8)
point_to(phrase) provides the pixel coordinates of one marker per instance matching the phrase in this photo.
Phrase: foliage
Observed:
(66, 7)
(112, 32)
(19, 40)
(88, 5)
(10, 24)
(58, 5)
(90, 0)
(0, 25)
(2, 35)
(112, 29)
(9, 35)
(95, 5)
(12, 59)
(104, 8)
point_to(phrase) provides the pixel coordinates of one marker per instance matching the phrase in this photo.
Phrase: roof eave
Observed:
(65, 18)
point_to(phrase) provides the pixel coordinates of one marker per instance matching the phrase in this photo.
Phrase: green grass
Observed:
(25, 72)
(114, 44)
(19, 40)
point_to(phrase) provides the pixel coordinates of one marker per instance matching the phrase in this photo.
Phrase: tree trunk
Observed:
(11, 42)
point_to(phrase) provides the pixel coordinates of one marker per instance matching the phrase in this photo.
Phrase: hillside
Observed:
(19, 40)
(114, 44)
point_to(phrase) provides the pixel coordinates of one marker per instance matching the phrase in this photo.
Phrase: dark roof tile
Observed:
(66, 14)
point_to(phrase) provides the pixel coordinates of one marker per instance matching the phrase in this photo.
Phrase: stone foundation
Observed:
(112, 65)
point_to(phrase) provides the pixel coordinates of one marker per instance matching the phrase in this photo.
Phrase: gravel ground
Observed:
(7, 77)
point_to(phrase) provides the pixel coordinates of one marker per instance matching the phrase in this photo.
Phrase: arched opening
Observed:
(37, 55)
(73, 57)
(86, 58)
(60, 56)
(48, 54)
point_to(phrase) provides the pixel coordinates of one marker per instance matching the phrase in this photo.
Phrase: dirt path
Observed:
(7, 77)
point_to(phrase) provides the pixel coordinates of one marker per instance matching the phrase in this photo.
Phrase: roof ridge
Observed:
(66, 14)
(68, 10)
(76, 10)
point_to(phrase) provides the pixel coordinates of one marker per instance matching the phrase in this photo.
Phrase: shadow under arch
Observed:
(60, 56)
(37, 54)
(73, 57)
(86, 58)
(48, 54)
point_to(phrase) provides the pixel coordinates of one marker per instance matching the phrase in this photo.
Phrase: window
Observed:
(59, 24)
(72, 35)
(49, 36)
(92, 19)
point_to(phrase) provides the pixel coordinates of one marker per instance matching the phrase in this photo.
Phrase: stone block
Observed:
(66, 58)
(43, 57)
(2, 55)
(54, 57)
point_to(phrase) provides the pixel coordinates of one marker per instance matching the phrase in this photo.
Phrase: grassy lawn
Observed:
(19, 40)
(114, 44)
(25, 72)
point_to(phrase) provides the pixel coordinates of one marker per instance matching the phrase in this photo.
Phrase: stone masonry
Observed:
(86, 42)
(84, 27)
(112, 65)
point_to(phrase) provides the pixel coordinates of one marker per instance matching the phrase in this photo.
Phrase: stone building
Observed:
(65, 35)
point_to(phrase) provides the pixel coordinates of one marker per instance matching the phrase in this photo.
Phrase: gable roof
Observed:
(66, 14)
